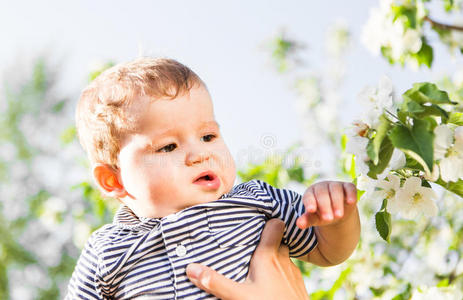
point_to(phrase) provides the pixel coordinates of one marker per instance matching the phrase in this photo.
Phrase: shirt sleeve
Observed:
(287, 205)
(85, 283)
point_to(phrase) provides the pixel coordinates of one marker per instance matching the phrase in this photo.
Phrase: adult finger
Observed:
(268, 247)
(271, 237)
(214, 283)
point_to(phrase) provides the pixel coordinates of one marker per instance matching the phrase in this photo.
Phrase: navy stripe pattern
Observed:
(145, 258)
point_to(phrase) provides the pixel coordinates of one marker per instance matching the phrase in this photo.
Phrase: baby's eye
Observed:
(208, 138)
(168, 148)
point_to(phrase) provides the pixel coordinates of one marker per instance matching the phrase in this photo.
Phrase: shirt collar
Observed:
(127, 219)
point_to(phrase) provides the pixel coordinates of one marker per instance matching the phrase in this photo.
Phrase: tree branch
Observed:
(441, 25)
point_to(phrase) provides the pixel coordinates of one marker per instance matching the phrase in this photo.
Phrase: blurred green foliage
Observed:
(40, 213)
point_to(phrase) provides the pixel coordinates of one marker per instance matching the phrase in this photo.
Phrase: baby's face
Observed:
(178, 159)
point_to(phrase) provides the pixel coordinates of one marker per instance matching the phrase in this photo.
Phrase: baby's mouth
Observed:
(208, 180)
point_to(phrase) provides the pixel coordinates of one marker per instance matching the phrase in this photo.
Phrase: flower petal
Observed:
(459, 133)
(412, 184)
(443, 136)
(397, 160)
(448, 171)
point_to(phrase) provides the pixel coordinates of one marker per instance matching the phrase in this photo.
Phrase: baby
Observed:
(149, 130)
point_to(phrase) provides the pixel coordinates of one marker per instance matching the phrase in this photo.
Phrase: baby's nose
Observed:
(195, 157)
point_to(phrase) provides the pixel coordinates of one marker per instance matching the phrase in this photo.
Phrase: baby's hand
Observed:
(327, 203)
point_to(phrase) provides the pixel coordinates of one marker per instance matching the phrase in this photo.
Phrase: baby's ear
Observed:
(107, 179)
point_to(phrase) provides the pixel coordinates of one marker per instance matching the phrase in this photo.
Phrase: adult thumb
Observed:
(271, 237)
(214, 283)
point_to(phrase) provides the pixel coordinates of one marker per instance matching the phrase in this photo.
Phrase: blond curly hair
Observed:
(103, 115)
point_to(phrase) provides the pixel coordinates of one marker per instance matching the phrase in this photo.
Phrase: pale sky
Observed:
(222, 41)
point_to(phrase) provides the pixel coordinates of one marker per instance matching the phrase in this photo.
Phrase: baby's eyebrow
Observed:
(172, 131)
(210, 123)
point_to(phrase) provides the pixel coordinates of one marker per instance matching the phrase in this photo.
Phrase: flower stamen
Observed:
(417, 198)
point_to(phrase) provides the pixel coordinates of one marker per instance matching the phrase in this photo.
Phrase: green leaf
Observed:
(343, 142)
(383, 205)
(416, 142)
(443, 283)
(408, 11)
(419, 111)
(454, 187)
(456, 118)
(425, 183)
(448, 5)
(377, 291)
(374, 145)
(433, 110)
(296, 173)
(414, 107)
(424, 56)
(387, 54)
(426, 92)
(348, 165)
(402, 115)
(383, 224)
(385, 153)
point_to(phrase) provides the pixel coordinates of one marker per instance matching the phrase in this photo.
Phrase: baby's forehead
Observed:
(156, 114)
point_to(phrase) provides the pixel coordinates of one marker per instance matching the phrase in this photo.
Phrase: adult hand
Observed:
(272, 275)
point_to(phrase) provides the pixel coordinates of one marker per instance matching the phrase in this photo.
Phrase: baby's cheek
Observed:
(229, 169)
(228, 163)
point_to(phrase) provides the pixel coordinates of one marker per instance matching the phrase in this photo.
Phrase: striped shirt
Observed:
(146, 258)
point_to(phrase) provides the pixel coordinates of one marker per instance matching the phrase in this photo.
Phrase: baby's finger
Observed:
(351, 192)
(307, 220)
(322, 194)
(337, 198)
(310, 203)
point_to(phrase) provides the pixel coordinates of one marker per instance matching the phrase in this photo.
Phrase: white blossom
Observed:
(434, 175)
(357, 145)
(448, 151)
(413, 199)
(388, 188)
(403, 40)
(382, 30)
(368, 186)
(398, 159)
(376, 100)
(370, 37)
(359, 128)
(396, 162)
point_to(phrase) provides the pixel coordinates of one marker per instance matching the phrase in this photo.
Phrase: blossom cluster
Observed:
(400, 146)
(391, 34)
